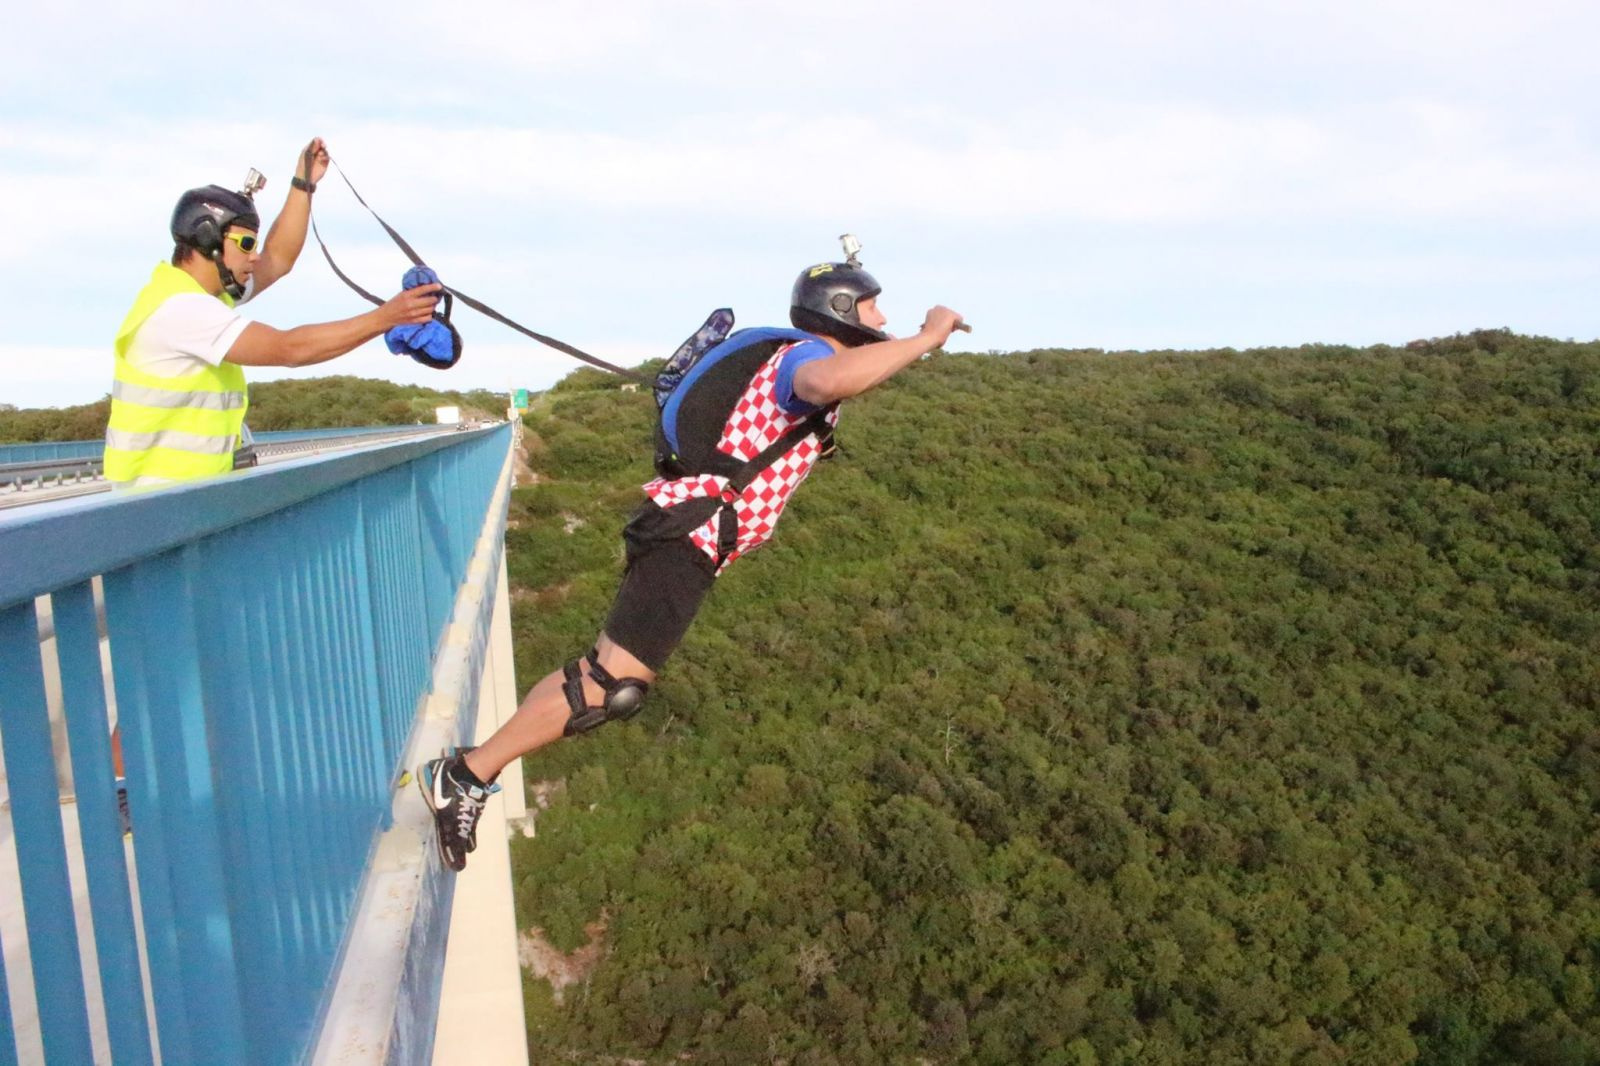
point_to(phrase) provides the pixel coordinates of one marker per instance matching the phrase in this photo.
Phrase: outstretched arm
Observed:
(288, 233)
(261, 345)
(855, 370)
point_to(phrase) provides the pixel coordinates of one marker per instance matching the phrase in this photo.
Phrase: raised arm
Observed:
(261, 345)
(852, 371)
(288, 233)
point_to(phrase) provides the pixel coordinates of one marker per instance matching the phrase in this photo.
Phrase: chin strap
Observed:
(230, 284)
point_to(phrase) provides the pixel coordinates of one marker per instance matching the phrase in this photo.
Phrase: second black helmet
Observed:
(204, 215)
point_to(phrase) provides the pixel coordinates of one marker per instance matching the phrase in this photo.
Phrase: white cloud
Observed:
(609, 173)
(1176, 163)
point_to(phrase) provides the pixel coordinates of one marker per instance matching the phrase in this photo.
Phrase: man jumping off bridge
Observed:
(738, 434)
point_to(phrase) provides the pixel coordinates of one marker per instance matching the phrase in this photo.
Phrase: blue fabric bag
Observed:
(436, 343)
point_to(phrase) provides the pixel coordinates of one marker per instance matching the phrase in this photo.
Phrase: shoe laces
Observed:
(470, 800)
(468, 808)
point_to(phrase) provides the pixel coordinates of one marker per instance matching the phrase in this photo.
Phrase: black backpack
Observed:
(721, 381)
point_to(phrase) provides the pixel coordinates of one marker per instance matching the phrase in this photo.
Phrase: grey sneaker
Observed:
(456, 805)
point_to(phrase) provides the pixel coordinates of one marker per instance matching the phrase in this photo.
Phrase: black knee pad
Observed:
(624, 696)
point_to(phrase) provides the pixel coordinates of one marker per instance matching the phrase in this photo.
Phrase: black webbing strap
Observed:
(746, 474)
(655, 524)
(477, 305)
(363, 293)
(549, 342)
(310, 157)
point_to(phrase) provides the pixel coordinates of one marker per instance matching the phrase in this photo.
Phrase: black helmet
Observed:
(824, 301)
(204, 215)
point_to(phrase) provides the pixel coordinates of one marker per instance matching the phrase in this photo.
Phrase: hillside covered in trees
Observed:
(1098, 708)
(298, 403)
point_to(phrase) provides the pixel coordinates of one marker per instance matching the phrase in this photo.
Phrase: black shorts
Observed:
(660, 595)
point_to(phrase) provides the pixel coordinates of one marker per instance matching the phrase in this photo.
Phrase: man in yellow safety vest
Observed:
(178, 395)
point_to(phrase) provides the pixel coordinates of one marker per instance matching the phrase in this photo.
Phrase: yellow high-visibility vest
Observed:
(175, 428)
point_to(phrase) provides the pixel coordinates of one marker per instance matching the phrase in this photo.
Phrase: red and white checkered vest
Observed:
(755, 424)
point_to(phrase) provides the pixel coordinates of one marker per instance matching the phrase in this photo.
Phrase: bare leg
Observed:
(544, 712)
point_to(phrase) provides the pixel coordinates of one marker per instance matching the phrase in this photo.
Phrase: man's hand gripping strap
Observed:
(624, 696)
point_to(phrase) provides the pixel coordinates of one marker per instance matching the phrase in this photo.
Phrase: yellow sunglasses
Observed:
(247, 242)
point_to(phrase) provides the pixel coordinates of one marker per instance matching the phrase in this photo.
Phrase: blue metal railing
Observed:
(93, 449)
(271, 635)
(41, 453)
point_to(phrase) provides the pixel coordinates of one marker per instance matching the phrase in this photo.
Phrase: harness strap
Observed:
(728, 523)
(817, 423)
(477, 305)
(656, 523)
(601, 675)
(572, 685)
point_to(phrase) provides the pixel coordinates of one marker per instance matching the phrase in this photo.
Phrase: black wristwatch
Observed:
(308, 187)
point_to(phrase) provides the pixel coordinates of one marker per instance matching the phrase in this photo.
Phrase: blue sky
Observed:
(1153, 174)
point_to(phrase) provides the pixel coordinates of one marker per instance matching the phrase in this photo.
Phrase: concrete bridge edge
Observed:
(420, 976)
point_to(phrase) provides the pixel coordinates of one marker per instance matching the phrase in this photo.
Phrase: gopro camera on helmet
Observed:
(852, 248)
(254, 182)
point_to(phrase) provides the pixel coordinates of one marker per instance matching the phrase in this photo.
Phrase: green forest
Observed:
(1089, 708)
(1098, 708)
(297, 403)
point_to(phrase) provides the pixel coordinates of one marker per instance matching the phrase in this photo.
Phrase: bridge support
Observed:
(431, 964)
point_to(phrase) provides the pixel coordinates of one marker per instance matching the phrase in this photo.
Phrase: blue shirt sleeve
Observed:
(794, 359)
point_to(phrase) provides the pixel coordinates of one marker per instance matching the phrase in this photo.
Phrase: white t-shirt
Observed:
(187, 333)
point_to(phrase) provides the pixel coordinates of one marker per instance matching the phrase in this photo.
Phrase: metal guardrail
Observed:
(271, 635)
(53, 470)
(68, 475)
(92, 449)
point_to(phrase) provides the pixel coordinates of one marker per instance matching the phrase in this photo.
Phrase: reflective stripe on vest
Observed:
(172, 439)
(144, 396)
(172, 428)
